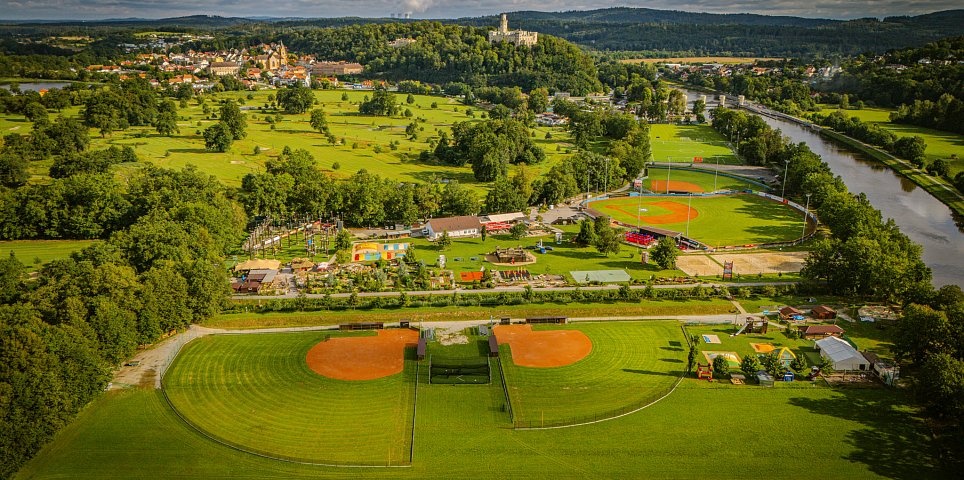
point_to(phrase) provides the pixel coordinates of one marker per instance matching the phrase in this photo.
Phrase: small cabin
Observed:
(823, 312)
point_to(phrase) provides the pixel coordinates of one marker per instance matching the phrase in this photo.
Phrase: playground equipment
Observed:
(753, 325)
(704, 372)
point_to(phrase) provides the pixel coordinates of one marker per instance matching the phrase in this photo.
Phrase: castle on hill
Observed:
(517, 37)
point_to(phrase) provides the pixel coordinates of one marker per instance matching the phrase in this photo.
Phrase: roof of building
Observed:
(838, 349)
(821, 329)
(790, 311)
(823, 309)
(504, 217)
(262, 264)
(465, 222)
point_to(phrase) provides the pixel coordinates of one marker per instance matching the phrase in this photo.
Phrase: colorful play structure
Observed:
(784, 355)
(371, 251)
(704, 372)
(753, 325)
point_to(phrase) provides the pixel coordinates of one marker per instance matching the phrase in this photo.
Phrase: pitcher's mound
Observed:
(362, 358)
(543, 348)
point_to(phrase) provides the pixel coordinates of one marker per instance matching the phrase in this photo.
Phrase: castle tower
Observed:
(504, 23)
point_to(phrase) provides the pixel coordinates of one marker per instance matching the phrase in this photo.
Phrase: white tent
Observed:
(843, 356)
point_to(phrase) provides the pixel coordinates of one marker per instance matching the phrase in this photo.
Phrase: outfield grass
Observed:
(257, 392)
(37, 253)
(643, 308)
(630, 364)
(940, 144)
(702, 429)
(716, 221)
(681, 143)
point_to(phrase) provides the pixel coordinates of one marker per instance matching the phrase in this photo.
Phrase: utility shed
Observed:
(842, 355)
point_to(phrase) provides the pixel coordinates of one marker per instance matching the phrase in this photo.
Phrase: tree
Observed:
(665, 253)
(940, 386)
(607, 239)
(296, 100)
(538, 100)
(232, 118)
(35, 112)
(484, 232)
(518, 231)
(410, 99)
(749, 366)
(922, 331)
(319, 121)
(677, 102)
(382, 103)
(504, 197)
(343, 240)
(771, 364)
(587, 233)
(938, 168)
(13, 170)
(911, 148)
(721, 366)
(166, 121)
(218, 137)
(443, 241)
(699, 109)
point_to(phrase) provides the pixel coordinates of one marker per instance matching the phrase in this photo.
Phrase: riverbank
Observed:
(935, 186)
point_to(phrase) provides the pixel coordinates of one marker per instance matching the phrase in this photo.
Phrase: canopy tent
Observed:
(842, 355)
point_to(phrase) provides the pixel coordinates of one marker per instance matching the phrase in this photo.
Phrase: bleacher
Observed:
(642, 239)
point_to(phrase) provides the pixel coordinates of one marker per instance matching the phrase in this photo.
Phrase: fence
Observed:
(505, 390)
(597, 417)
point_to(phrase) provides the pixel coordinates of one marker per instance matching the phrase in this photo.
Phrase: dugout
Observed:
(659, 233)
(537, 320)
(362, 326)
(493, 346)
(420, 349)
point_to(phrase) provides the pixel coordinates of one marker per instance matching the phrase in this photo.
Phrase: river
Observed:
(37, 86)
(919, 215)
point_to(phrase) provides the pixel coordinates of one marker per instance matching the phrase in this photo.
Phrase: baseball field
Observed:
(257, 391)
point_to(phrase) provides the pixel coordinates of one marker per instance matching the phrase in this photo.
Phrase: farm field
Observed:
(940, 144)
(461, 432)
(361, 135)
(730, 220)
(630, 364)
(680, 143)
(257, 392)
(37, 253)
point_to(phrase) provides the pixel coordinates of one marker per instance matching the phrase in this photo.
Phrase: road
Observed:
(507, 290)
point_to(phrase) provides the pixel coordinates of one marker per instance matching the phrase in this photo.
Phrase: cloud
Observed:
(98, 9)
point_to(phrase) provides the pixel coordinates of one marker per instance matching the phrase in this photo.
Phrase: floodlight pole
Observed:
(689, 202)
(669, 169)
(786, 168)
(717, 173)
(806, 214)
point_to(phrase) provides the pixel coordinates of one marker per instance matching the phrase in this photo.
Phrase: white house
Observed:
(842, 355)
(464, 226)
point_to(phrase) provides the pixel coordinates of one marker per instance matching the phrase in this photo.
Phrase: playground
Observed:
(717, 221)
(543, 348)
(731, 357)
(362, 358)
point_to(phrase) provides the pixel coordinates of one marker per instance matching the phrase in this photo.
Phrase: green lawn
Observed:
(741, 343)
(680, 143)
(630, 364)
(716, 221)
(702, 429)
(706, 180)
(940, 144)
(36, 253)
(360, 133)
(256, 392)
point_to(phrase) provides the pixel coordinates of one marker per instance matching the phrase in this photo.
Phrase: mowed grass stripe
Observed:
(256, 392)
(629, 363)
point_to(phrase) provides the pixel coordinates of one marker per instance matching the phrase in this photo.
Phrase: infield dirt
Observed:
(362, 358)
(543, 348)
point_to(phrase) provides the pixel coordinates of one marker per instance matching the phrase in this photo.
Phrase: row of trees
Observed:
(159, 269)
(490, 147)
(864, 255)
(911, 148)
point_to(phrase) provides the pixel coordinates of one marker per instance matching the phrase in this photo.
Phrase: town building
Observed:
(327, 69)
(842, 355)
(464, 226)
(517, 37)
(224, 68)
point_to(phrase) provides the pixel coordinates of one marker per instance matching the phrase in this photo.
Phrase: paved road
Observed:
(508, 289)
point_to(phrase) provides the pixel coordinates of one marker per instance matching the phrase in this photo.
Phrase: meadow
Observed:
(940, 144)
(358, 137)
(798, 429)
(729, 220)
(256, 392)
(681, 143)
(37, 253)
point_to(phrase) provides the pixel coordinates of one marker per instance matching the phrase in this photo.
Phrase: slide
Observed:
(741, 329)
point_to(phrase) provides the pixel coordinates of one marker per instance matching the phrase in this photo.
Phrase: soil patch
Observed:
(543, 348)
(362, 358)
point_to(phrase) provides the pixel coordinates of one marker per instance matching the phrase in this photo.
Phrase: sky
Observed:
(101, 9)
